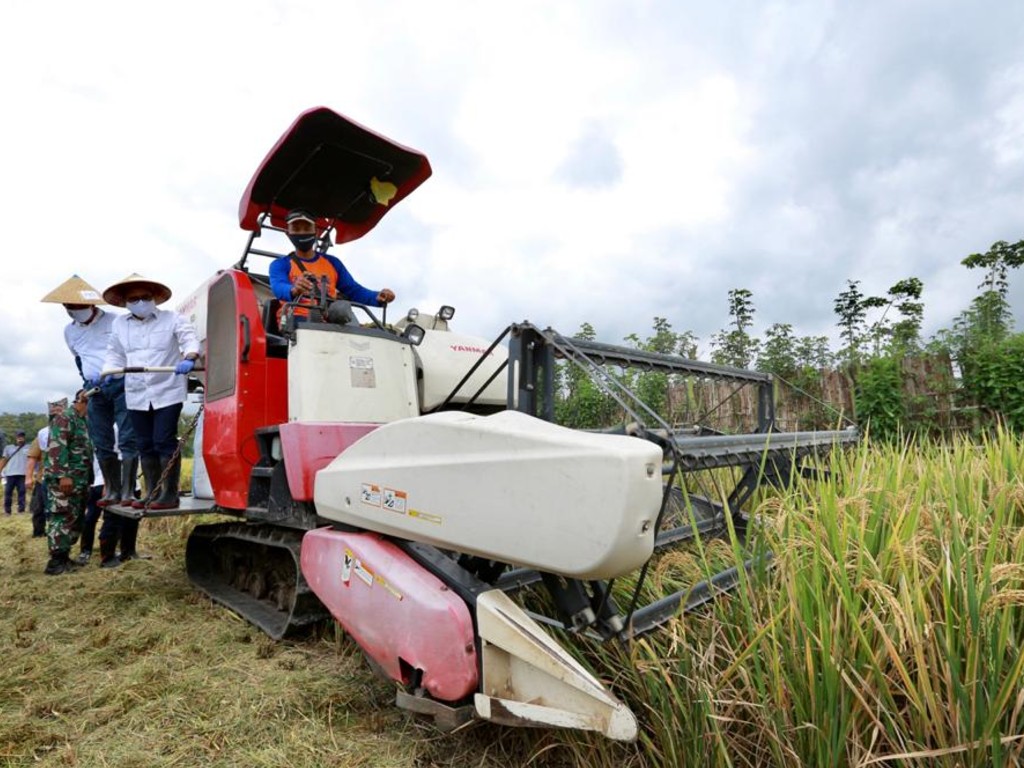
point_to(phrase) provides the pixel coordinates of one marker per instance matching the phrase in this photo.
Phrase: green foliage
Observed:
(579, 403)
(995, 379)
(652, 387)
(10, 423)
(904, 335)
(988, 319)
(878, 397)
(778, 353)
(852, 305)
(736, 347)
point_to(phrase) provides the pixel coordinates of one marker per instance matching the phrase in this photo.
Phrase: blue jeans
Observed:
(106, 408)
(14, 483)
(156, 430)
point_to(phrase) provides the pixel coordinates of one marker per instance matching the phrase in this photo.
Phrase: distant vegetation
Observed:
(880, 335)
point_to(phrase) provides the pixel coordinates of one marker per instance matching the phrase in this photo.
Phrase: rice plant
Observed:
(886, 630)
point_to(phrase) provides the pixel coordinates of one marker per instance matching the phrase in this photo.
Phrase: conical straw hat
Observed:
(74, 290)
(115, 293)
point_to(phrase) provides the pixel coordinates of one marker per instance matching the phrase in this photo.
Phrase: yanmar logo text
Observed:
(467, 348)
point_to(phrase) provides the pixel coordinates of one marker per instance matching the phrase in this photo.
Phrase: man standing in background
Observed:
(15, 462)
(67, 470)
(39, 505)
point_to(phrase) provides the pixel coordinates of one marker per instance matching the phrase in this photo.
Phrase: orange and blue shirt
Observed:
(284, 272)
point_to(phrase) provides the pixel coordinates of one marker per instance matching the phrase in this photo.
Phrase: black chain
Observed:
(150, 492)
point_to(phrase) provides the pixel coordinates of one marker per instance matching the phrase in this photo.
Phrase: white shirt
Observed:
(88, 342)
(43, 436)
(17, 457)
(162, 339)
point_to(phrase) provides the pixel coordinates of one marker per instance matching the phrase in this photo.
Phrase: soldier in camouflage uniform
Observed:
(67, 470)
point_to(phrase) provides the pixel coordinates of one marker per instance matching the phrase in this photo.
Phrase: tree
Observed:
(813, 353)
(778, 354)
(903, 335)
(989, 317)
(852, 306)
(579, 402)
(652, 387)
(736, 347)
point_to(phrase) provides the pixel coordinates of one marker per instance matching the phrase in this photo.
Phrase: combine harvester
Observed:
(408, 480)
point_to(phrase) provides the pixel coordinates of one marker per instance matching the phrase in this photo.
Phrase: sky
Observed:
(593, 161)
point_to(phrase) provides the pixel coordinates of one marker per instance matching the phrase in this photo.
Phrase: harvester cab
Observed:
(409, 480)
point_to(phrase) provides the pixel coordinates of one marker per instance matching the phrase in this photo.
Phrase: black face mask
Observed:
(303, 242)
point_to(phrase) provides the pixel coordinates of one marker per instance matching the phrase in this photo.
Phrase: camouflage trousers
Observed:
(66, 513)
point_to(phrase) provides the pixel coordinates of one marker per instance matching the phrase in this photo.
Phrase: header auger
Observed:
(410, 481)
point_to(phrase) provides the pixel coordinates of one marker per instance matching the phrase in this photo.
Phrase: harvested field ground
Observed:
(132, 667)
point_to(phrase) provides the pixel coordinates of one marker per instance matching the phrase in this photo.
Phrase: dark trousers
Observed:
(156, 430)
(123, 530)
(107, 408)
(92, 515)
(14, 483)
(38, 507)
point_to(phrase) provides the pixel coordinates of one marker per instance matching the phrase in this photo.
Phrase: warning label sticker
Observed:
(370, 494)
(390, 589)
(346, 567)
(395, 500)
(425, 516)
(362, 372)
(365, 574)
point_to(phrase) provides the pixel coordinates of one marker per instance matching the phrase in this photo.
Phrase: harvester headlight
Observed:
(412, 314)
(446, 312)
(413, 334)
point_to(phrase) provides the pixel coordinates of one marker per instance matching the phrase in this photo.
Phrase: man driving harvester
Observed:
(299, 275)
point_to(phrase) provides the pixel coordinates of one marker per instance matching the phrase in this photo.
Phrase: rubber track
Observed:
(267, 555)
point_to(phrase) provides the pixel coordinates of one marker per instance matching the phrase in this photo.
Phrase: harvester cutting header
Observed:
(410, 481)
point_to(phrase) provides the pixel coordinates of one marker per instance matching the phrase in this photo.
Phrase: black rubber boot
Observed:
(129, 476)
(168, 498)
(129, 533)
(59, 563)
(111, 482)
(108, 554)
(151, 476)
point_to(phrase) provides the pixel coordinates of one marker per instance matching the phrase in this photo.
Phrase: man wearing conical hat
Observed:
(151, 337)
(87, 336)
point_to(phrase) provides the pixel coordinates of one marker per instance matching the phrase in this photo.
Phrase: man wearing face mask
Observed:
(151, 337)
(297, 276)
(87, 336)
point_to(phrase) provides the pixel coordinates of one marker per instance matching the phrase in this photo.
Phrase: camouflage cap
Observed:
(56, 406)
(74, 290)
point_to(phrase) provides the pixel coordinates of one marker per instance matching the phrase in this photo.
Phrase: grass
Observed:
(132, 667)
(888, 630)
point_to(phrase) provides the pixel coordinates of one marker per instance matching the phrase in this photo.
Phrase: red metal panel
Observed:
(394, 609)
(259, 398)
(324, 163)
(309, 446)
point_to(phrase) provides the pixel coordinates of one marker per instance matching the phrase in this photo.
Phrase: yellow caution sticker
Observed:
(390, 589)
(425, 516)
